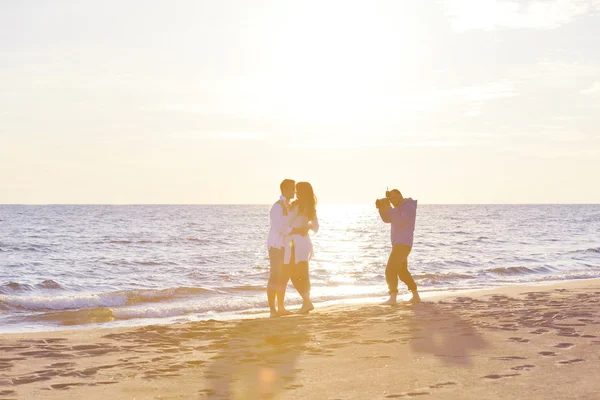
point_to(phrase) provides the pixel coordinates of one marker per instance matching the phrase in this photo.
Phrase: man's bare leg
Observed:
(307, 305)
(280, 302)
(271, 295)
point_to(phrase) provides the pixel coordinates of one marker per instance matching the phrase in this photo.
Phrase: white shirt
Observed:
(278, 221)
(301, 245)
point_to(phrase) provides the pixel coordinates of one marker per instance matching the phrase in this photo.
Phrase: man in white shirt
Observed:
(278, 233)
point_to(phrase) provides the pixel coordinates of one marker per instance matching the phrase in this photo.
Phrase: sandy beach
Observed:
(506, 343)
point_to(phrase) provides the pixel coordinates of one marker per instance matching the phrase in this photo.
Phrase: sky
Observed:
(215, 102)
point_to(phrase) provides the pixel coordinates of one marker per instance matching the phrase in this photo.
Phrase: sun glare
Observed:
(340, 65)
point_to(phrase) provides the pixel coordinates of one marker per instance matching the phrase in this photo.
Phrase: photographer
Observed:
(401, 213)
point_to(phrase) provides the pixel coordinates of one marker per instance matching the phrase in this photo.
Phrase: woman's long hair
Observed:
(306, 201)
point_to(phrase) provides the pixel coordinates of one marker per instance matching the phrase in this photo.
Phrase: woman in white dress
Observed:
(298, 247)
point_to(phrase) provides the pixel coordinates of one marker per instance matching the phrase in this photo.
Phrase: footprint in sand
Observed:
(24, 380)
(87, 347)
(442, 385)
(576, 360)
(11, 348)
(4, 366)
(509, 358)
(195, 362)
(12, 359)
(539, 331)
(63, 386)
(63, 365)
(498, 376)
(547, 353)
(335, 345)
(89, 371)
(292, 387)
(55, 340)
(568, 334)
(525, 367)
(518, 339)
(410, 394)
(564, 345)
(207, 392)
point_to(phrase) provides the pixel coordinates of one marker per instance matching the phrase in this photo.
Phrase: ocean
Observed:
(65, 266)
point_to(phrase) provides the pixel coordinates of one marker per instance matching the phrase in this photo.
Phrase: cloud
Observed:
(358, 144)
(494, 14)
(482, 92)
(595, 88)
(221, 136)
(470, 98)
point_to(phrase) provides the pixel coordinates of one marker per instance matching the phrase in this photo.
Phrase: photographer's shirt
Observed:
(403, 220)
(278, 220)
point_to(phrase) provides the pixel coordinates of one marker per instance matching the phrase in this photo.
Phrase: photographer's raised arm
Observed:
(385, 213)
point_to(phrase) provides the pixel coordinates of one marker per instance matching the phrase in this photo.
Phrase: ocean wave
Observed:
(111, 314)
(90, 301)
(124, 241)
(31, 248)
(503, 271)
(439, 278)
(245, 288)
(15, 287)
(119, 242)
(198, 240)
(77, 317)
(49, 284)
(155, 263)
(121, 262)
(211, 241)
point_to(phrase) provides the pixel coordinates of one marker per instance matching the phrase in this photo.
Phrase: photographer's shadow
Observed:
(437, 331)
(257, 359)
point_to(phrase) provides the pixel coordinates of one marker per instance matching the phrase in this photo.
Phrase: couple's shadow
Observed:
(257, 358)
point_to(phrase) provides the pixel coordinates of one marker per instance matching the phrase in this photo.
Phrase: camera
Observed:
(379, 202)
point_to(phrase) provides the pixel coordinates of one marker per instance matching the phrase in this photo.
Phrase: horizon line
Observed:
(266, 204)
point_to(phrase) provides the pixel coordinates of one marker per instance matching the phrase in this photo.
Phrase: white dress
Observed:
(301, 245)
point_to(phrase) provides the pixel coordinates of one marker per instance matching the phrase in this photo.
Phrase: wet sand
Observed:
(507, 343)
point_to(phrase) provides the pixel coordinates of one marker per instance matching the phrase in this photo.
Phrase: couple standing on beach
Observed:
(290, 246)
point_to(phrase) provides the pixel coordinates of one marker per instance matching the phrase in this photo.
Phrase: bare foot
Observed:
(284, 312)
(390, 302)
(274, 314)
(306, 308)
(414, 300)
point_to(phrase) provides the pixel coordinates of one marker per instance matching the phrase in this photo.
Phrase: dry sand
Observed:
(534, 342)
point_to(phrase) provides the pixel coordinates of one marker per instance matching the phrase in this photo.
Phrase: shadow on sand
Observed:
(257, 359)
(438, 331)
